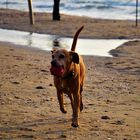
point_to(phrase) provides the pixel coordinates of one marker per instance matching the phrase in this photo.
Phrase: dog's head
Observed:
(61, 61)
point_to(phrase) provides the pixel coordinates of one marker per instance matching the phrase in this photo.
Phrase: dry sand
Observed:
(94, 28)
(28, 102)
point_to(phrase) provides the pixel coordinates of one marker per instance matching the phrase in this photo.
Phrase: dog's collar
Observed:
(69, 75)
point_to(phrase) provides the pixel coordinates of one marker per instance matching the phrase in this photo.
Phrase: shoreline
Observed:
(94, 28)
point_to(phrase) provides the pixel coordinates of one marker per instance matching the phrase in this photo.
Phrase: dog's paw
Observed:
(63, 110)
(74, 124)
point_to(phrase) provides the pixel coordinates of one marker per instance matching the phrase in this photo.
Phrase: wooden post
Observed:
(136, 13)
(31, 12)
(56, 14)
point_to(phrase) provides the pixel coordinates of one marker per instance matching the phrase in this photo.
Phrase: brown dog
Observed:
(69, 70)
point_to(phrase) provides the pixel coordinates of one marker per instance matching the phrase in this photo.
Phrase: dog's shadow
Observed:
(51, 128)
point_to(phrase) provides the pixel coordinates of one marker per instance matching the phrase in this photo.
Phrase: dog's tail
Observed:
(75, 38)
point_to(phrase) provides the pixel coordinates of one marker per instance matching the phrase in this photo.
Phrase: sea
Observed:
(103, 9)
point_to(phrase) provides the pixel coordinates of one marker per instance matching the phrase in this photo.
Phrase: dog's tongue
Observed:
(57, 71)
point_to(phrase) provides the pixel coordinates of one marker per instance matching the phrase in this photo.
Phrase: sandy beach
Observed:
(94, 28)
(111, 96)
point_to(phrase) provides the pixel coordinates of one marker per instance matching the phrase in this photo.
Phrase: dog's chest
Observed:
(65, 86)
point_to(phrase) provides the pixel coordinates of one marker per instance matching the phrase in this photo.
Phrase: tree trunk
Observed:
(56, 15)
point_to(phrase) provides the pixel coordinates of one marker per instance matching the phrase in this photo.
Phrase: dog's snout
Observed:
(53, 63)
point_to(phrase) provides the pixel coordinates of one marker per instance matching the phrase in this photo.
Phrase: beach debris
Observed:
(50, 84)
(27, 136)
(44, 70)
(108, 101)
(16, 83)
(11, 49)
(26, 129)
(40, 87)
(18, 57)
(105, 117)
(119, 122)
(17, 97)
(63, 136)
(91, 104)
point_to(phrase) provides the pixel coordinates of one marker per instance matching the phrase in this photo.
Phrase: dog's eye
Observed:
(52, 56)
(61, 56)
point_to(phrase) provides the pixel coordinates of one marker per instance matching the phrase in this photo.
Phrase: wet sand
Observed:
(28, 104)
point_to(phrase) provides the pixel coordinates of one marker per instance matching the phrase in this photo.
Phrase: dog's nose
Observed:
(53, 63)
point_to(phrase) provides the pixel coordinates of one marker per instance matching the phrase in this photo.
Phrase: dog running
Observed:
(68, 70)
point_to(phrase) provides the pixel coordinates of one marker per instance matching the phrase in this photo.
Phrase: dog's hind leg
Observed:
(81, 102)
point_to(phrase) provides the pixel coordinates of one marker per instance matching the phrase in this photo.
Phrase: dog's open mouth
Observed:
(57, 70)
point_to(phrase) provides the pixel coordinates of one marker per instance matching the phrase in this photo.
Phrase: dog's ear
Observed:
(74, 57)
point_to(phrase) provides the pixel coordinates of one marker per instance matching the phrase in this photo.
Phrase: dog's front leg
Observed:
(71, 99)
(76, 109)
(61, 102)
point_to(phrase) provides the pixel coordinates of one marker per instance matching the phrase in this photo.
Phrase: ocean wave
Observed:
(76, 6)
(106, 7)
(9, 3)
(47, 6)
(80, 7)
(43, 6)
